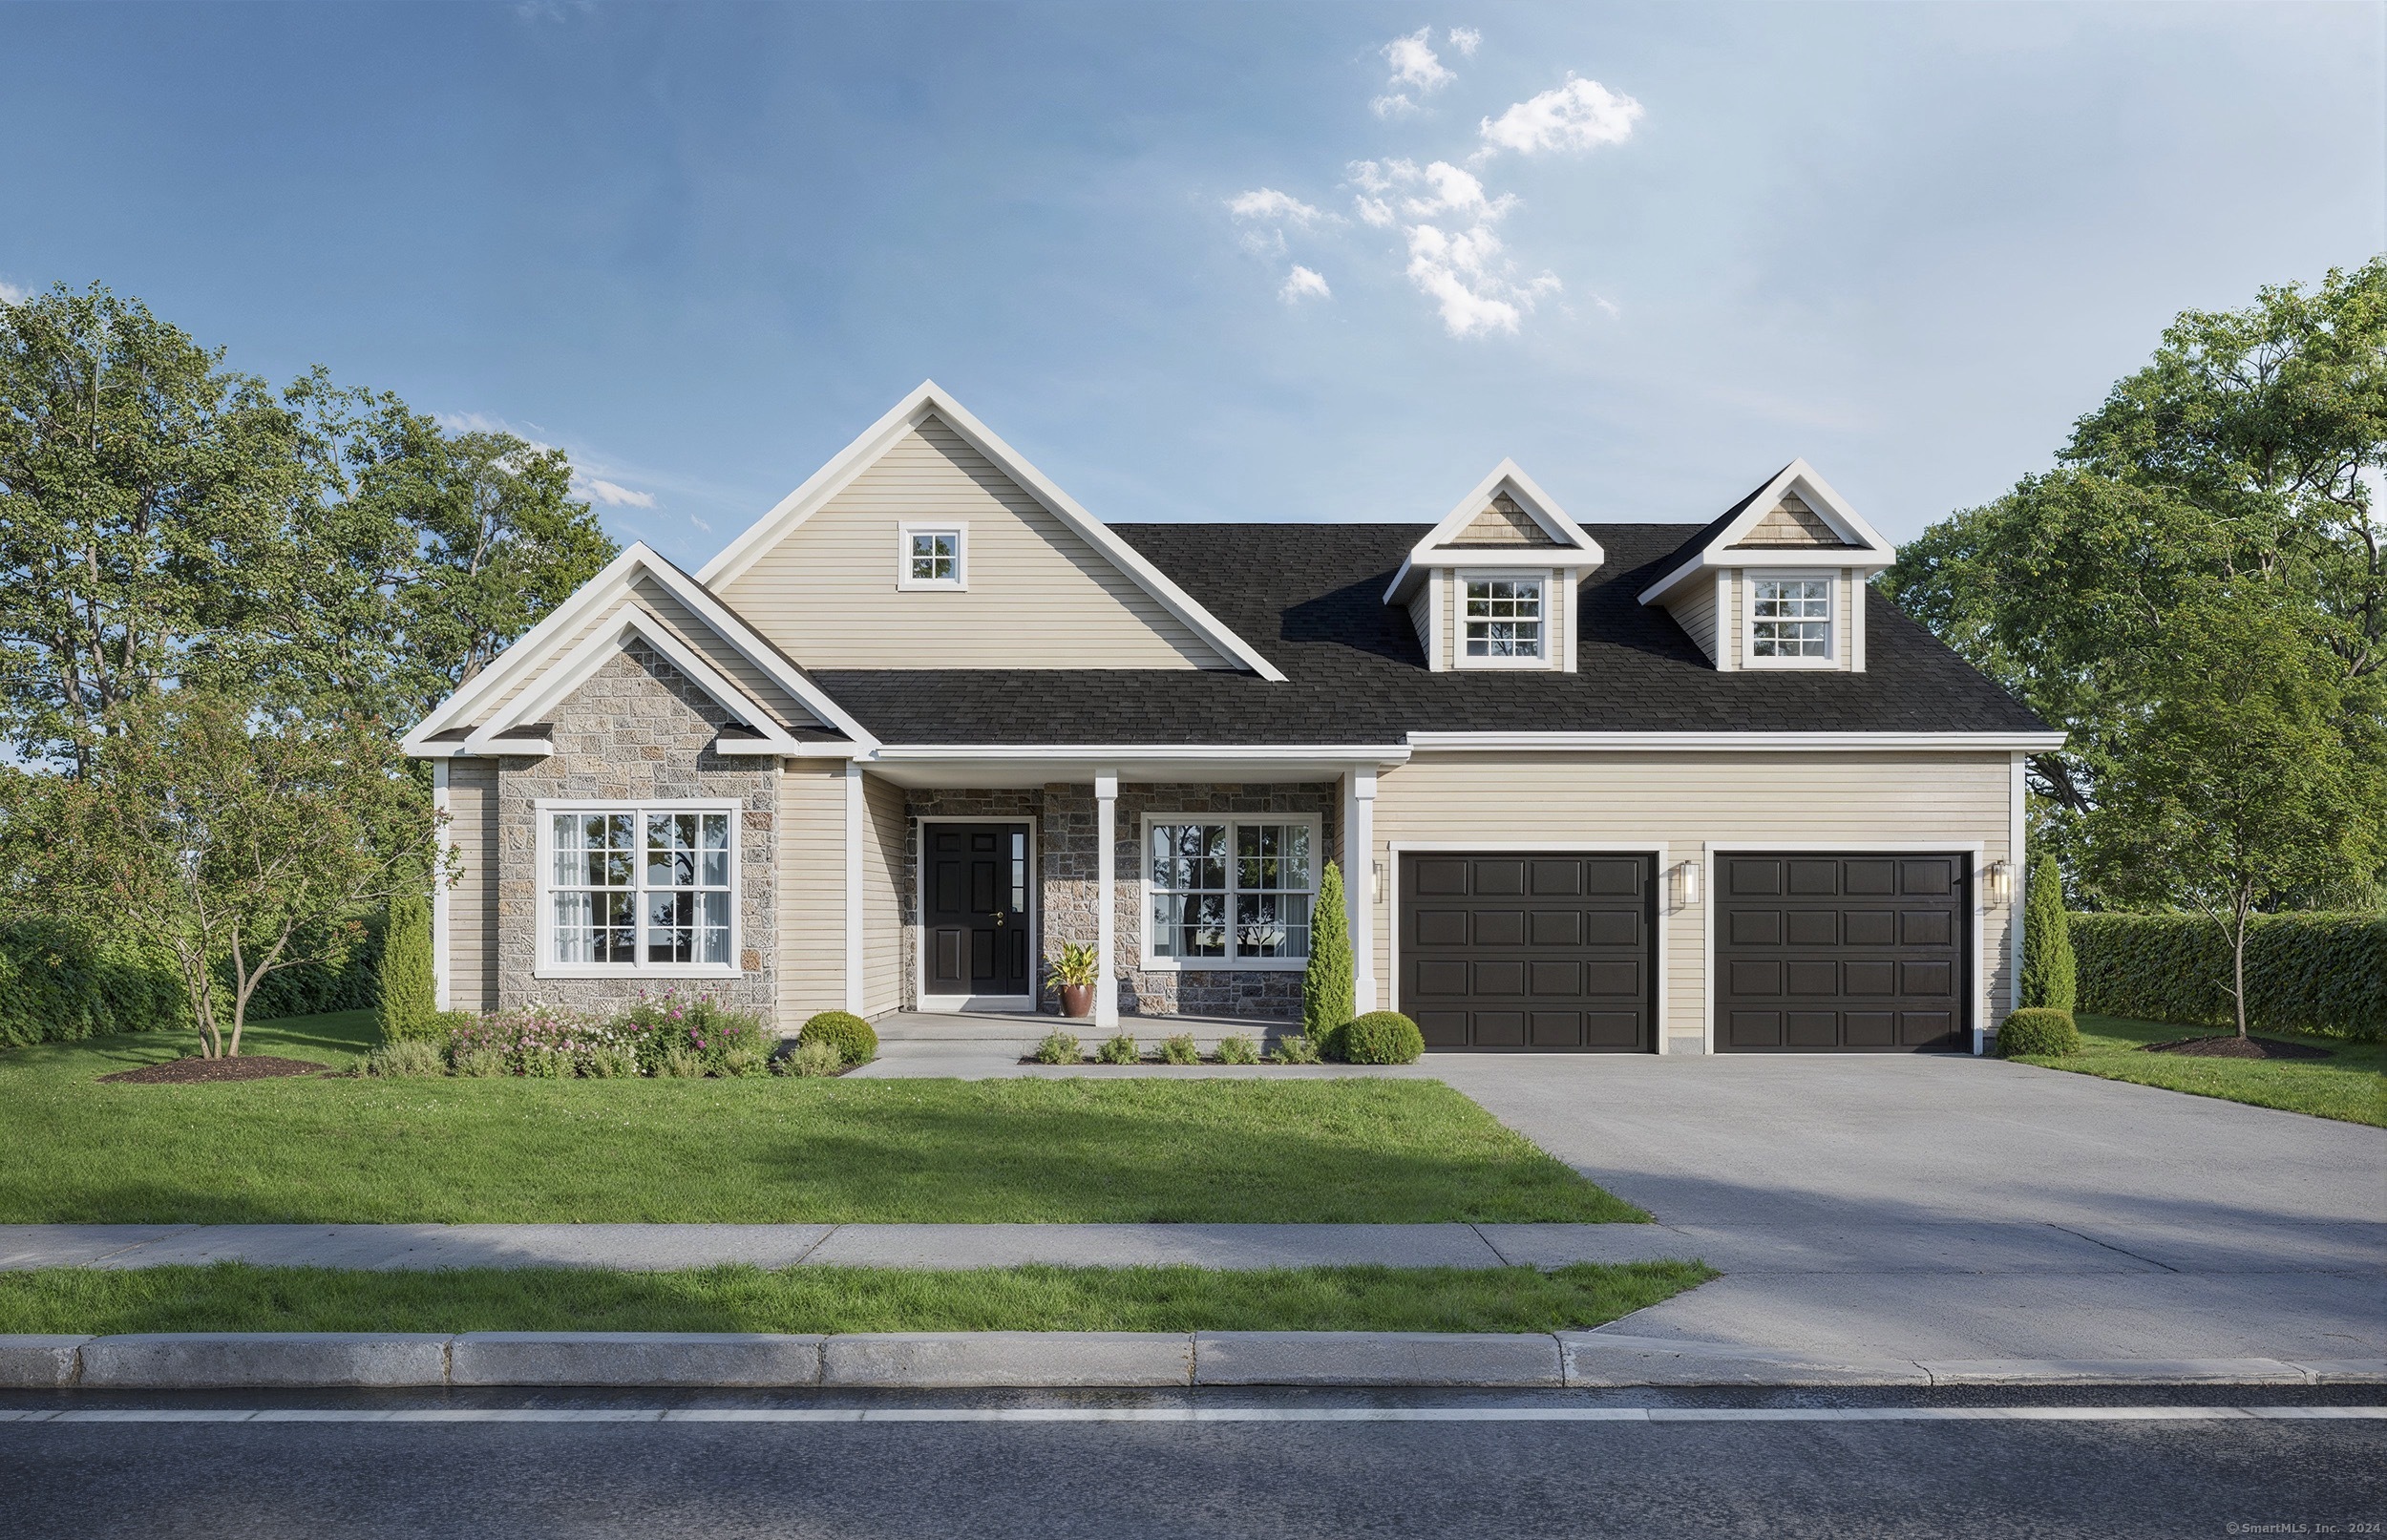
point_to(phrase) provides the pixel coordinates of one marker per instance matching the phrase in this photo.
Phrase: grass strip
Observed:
(317, 1150)
(2350, 1086)
(227, 1296)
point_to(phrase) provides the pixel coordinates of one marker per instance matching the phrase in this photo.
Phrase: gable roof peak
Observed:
(1728, 542)
(1564, 542)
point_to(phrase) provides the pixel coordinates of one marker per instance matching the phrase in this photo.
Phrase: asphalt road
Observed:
(1487, 1474)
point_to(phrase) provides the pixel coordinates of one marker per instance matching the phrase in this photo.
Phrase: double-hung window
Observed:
(1790, 618)
(1229, 892)
(638, 887)
(1504, 619)
(933, 556)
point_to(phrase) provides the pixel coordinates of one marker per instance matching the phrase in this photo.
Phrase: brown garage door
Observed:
(1823, 954)
(1553, 952)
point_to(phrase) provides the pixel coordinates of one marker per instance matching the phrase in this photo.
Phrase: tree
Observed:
(2050, 976)
(1326, 993)
(2245, 780)
(406, 987)
(243, 841)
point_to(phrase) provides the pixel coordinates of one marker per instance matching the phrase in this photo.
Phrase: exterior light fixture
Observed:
(1997, 884)
(1686, 884)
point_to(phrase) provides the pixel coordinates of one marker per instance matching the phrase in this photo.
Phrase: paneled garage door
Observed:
(1553, 952)
(1823, 954)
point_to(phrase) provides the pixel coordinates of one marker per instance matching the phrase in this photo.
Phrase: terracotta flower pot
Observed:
(1077, 1000)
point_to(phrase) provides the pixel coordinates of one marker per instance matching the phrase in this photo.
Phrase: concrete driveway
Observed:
(1967, 1207)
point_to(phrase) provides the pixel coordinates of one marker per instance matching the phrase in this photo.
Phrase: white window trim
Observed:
(1460, 657)
(1233, 821)
(958, 584)
(639, 967)
(1832, 625)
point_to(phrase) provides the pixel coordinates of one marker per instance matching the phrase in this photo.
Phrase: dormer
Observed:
(1493, 585)
(1779, 581)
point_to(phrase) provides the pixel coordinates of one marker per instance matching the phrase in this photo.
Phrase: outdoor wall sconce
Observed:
(1997, 884)
(1376, 881)
(1686, 884)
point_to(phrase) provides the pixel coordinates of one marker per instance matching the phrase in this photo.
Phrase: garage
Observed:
(1856, 953)
(1551, 952)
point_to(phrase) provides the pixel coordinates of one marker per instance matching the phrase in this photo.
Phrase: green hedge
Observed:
(56, 986)
(2304, 973)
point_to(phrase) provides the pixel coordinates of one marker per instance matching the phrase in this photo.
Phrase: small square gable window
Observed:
(934, 557)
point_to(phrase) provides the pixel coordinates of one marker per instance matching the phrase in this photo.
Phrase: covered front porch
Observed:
(1193, 876)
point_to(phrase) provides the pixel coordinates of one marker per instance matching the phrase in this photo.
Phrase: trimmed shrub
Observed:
(406, 991)
(1298, 1049)
(408, 1059)
(1119, 1050)
(1238, 1049)
(853, 1039)
(2304, 973)
(1060, 1049)
(811, 1061)
(1380, 1038)
(59, 984)
(1180, 1049)
(2049, 976)
(2037, 1032)
(1326, 982)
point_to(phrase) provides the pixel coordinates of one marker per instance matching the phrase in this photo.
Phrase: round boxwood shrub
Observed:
(847, 1033)
(1380, 1038)
(2037, 1032)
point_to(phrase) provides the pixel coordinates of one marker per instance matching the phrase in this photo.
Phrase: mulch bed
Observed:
(2237, 1047)
(194, 1072)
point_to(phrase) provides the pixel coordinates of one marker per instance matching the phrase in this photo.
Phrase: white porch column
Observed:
(1358, 884)
(853, 887)
(1106, 899)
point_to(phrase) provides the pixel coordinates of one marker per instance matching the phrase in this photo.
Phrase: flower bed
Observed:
(672, 1036)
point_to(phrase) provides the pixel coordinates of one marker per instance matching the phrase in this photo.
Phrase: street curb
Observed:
(227, 1360)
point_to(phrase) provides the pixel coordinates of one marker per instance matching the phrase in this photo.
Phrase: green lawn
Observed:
(235, 1296)
(324, 1151)
(2347, 1086)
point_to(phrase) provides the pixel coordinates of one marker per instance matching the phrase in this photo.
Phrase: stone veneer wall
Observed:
(1065, 847)
(637, 729)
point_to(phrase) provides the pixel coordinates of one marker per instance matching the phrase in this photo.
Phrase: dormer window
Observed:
(934, 557)
(1789, 620)
(1504, 619)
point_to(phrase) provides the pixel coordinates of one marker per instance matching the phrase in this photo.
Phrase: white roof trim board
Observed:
(611, 590)
(1572, 546)
(1866, 550)
(1510, 743)
(927, 401)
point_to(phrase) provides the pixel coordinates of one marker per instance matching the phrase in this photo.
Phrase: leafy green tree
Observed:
(2050, 974)
(406, 994)
(242, 842)
(2244, 781)
(1326, 988)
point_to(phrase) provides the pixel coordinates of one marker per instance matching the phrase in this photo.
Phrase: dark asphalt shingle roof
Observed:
(1310, 597)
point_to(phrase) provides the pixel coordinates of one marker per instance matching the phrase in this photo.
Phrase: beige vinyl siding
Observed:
(1734, 606)
(1791, 522)
(473, 902)
(1687, 802)
(1694, 609)
(1038, 595)
(810, 877)
(884, 876)
(1422, 617)
(1504, 523)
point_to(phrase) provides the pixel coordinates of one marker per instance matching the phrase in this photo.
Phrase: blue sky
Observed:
(1651, 252)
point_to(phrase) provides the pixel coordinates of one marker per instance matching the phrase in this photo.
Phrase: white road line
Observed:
(1193, 1414)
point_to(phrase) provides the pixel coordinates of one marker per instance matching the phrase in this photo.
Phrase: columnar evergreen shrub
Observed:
(2037, 1032)
(856, 1040)
(2049, 974)
(1327, 990)
(1380, 1038)
(2304, 973)
(407, 996)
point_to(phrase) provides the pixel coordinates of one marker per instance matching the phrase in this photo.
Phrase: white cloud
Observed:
(1466, 274)
(585, 484)
(10, 294)
(1392, 105)
(1453, 191)
(1268, 203)
(609, 495)
(1304, 283)
(1373, 211)
(1607, 304)
(1414, 64)
(1465, 40)
(1262, 243)
(1581, 114)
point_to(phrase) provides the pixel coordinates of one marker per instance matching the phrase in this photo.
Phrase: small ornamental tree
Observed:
(242, 842)
(406, 999)
(1326, 994)
(2049, 976)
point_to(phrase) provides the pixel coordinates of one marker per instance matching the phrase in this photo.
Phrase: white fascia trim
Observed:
(584, 662)
(1356, 754)
(1733, 742)
(613, 586)
(1870, 553)
(1538, 505)
(928, 400)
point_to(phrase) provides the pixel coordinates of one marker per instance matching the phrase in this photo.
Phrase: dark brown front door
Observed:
(1842, 953)
(977, 909)
(1553, 952)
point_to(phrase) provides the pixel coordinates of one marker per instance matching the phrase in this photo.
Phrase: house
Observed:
(1621, 788)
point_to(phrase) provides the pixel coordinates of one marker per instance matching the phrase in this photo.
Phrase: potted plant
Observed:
(1073, 975)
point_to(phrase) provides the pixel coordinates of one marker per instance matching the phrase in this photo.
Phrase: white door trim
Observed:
(922, 999)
